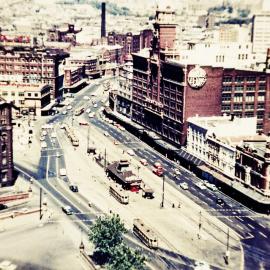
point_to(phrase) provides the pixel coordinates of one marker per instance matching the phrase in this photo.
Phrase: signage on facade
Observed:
(154, 102)
(197, 77)
(11, 78)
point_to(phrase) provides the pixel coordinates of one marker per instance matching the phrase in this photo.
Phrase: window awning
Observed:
(184, 154)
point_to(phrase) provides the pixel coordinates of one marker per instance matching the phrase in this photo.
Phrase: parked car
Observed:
(3, 206)
(64, 112)
(144, 162)
(73, 188)
(91, 115)
(88, 110)
(122, 128)
(220, 201)
(212, 187)
(83, 123)
(106, 133)
(131, 152)
(184, 185)
(67, 210)
(86, 98)
(42, 138)
(69, 107)
(200, 185)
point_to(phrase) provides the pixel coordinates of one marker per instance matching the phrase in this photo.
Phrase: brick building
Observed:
(166, 92)
(32, 65)
(6, 145)
(64, 34)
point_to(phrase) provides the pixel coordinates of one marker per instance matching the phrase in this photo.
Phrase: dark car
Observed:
(74, 188)
(3, 206)
(220, 201)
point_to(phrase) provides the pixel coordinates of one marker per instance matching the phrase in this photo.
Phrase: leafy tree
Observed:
(106, 233)
(126, 259)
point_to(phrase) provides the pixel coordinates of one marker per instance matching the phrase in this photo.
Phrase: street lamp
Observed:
(163, 185)
(200, 225)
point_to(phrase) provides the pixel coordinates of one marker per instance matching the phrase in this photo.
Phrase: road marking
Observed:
(239, 226)
(251, 218)
(249, 236)
(251, 226)
(207, 198)
(240, 219)
(263, 234)
(262, 225)
(229, 219)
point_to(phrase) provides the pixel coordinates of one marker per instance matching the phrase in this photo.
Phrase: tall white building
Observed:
(261, 32)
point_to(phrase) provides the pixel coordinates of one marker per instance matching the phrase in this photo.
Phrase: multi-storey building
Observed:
(73, 78)
(131, 42)
(166, 92)
(64, 34)
(6, 146)
(124, 93)
(29, 98)
(32, 65)
(261, 32)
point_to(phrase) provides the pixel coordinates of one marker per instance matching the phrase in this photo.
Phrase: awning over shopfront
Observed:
(189, 157)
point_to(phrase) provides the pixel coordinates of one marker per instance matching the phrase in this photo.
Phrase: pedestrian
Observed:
(179, 205)
(173, 205)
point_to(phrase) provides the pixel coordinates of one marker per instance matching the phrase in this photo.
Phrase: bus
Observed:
(145, 233)
(79, 111)
(119, 194)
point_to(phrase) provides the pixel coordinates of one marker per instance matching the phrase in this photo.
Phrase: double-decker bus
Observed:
(70, 134)
(79, 111)
(145, 233)
(119, 194)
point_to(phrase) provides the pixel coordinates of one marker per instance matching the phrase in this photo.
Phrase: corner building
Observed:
(166, 93)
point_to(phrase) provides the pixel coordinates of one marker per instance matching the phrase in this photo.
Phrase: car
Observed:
(91, 115)
(116, 142)
(69, 107)
(176, 171)
(121, 128)
(44, 133)
(200, 185)
(73, 188)
(93, 94)
(53, 135)
(3, 206)
(86, 98)
(95, 105)
(64, 112)
(212, 187)
(131, 152)
(144, 162)
(106, 134)
(220, 201)
(88, 110)
(42, 138)
(83, 123)
(43, 144)
(67, 210)
(184, 185)
(58, 154)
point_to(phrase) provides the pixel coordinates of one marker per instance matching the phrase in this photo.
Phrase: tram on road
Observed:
(119, 194)
(145, 233)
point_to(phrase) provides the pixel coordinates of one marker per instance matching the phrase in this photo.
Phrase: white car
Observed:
(44, 133)
(121, 128)
(91, 115)
(184, 185)
(176, 171)
(131, 152)
(212, 187)
(106, 134)
(88, 110)
(53, 135)
(93, 94)
(200, 185)
(95, 105)
(86, 98)
(69, 107)
(64, 112)
(43, 144)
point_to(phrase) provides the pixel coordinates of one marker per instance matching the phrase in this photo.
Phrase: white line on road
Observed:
(240, 219)
(249, 225)
(262, 225)
(207, 198)
(239, 226)
(251, 218)
(263, 234)
(229, 219)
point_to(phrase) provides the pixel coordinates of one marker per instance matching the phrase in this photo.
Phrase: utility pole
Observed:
(200, 225)
(138, 170)
(227, 255)
(40, 203)
(163, 183)
(105, 159)
(88, 137)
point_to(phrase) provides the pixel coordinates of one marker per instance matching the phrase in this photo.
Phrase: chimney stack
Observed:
(103, 20)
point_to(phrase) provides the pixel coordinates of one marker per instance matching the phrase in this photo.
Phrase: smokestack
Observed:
(103, 20)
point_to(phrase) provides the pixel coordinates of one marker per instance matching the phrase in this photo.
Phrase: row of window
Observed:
(242, 79)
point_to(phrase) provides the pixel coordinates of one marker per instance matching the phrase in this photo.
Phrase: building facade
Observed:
(29, 98)
(6, 145)
(261, 32)
(32, 65)
(73, 78)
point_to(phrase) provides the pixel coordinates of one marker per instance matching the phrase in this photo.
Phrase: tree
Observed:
(126, 259)
(106, 233)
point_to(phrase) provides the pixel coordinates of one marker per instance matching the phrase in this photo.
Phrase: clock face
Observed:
(196, 77)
